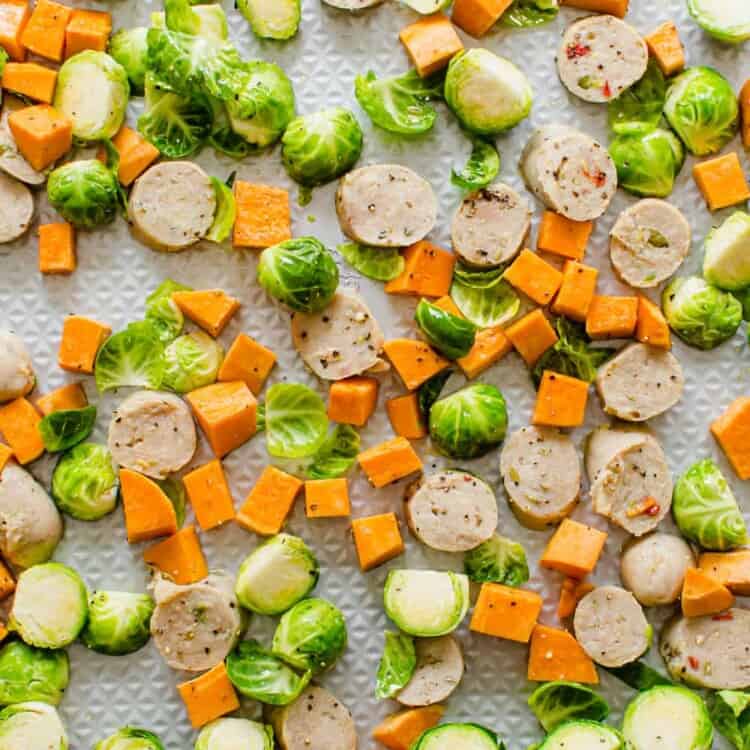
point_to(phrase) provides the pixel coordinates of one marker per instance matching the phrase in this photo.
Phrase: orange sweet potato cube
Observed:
(612, 317)
(353, 400)
(30, 80)
(81, 340)
(665, 47)
(6, 453)
(209, 696)
(556, 655)
(533, 276)
(573, 549)
(721, 181)
(560, 401)
(477, 17)
(617, 8)
(57, 248)
(149, 513)
(44, 34)
(14, 15)
(401, 730)
(506, 612)
(270, 502)
(249, 361)
(211, 309)
(327, 498)
(70, 396)
(136, 154)
(531, 336)
(389, 461)
(745, 114)
(490, 346)
(179, 556)
(576, 291)
(652, 327)
(562, 236)
(7, 583)
(41, 133)
(87, 29)
(414, 361)
(209, 495)
(19, 425)
(428, 271)
(264, 217)
(377, 539)
(732, 431)
(406, 419)
(431, 42)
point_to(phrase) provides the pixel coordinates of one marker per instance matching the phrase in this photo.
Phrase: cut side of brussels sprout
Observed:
(226, 212)
(459, 737)
(725, 20)
(235, 734)
(426, 603)
(397, 665)
(163, 313)
(118, 622)
(296, 422)
(32, 725)
(379, 263)
(276, 575)
(133, 357)
(129, 47)
(498, 560)
(130, 738)
(32, 674)
(85, 193)
(554, 703)
(64, 429)
(84, 483)
(191, 361)
(449, 334)
(584, 735)
(272, 19)
(207, 21)
(336, 455)
(726, 262)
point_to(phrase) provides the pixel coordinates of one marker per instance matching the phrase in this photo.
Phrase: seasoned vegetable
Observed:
(397, 664)
(554, 703)
(272, 19)
(65, 428)
(524, 14)
(729, 714)
(84, 484)
(118, 622)
(191, 361)
(637, 110)
(449, 334)
(498, 560)
(296, 421)
(728, 22)
(128, 47)
(311, 635)
(379, 263)
(470, 422)
(639, 676)
(484, 297)
(231, 734)
(463, 736)
(32, 674)
(204, 20)
(482, 166)
(583, 734)
(706, 511)
(429, 392)
(226, 210)
(85, 193)
(163, 313)
(276, 575)
(130, 738)
(336, 455)
(700, 314)
(31, 724)
(726, 263)
(133, 357)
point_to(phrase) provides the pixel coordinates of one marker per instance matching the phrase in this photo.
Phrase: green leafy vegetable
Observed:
(129, 47)
(32, 674)
(226, 212)
(481, 168)
(133, 357)
(174, 489)
(498, 560)
(429, 392)
(529, 13)
(163, 313)
(205, 20)
(637, 110)
(729, 713)
(729, 23)
(191, 361)
(296, 421)
(484, 297)
(397, 665)
(379, 263)
(639, 676)
(272, 19)
(223, 138)
(450, 334)
(64, 429)
(556, 702)
(336, 455)
(85, 193)
(726, 263)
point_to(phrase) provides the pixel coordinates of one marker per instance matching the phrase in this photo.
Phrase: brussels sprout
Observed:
(702, 108)
(460, 737)
(133, 357)
(484, 297)
(727, 21)
(705, 510)
(397, 665)
(429, 392)
(726, 262)
(311, 635)
(174, 489)
(118, 622)
(65, 428)
(130, 738)
(226, 211)
(379, 263)
(128, 47)
(191, 361)
(97, 117)
(426, 603)
(276, 575)
(32, 674)
(163, 313)
(470, 422)
(487, 93)
(300, 273)
(583, 734)
(648, 164)
(336, 455)
(295, 421)
(729, 713)
(670, 716)
(206, 21)
(50, 606)
(554, 703)
(700, 314)
(84, 484)
(524, 14)
(400, 104)
(320, 147)
(272, 19)
(637, 110)
(223, 138)
(498, 560)
(448, 333)
(32, 724)
(639, 676)
(85, 193)
(260, 675)
(481, 168)
(235, 734)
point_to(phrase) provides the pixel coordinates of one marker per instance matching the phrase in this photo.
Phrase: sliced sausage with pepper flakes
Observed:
(440, 667)
(16, 208)
(16, 371)
(605, 442)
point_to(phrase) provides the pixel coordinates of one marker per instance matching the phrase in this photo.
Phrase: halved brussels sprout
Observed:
(320, 147)
(481, 168)
(226, 211)
(272, 19)
(311, 635)
(702, 108)
(50, 606)
(484, 297)
(204, 20)
(133, 357)
(84, 483)
(32, 674)
(296, 422)
(24, 726)
(96, 117)
(426, 603)
(554, 703)
(65, 428)
(191, 361)
(118, 622)
(498, 560)
(129, 47)
(726, 262)
(583, 734)
(487, 93)
(336, 455)
(397, 665)
(130, 738)
(469, 422)
(700, 314)
(725, 20)
(459, 737)
(449, 334)
(729, 713)
(523, 14)
(163, 313)
(379, 263)
(235, 734)
(276, 575)
(85, 193)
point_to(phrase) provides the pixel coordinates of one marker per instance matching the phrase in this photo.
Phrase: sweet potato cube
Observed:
(180, 557)
(30, 80)
(506, 612)
(6, 453)
(136, 154)
(87, 29)
(560, 401)
(490, 346)
(414, 361)
(353, 400)
(211, 309)
(533, 276)
(571, 592)
(477, 17)
(531, 336)
(209, 495)
(400, 731)
(249, 361)
(270, 502)
(70, 396)
(81, 340)
(57, 248)
(7, 583)
(406, 419)
(14, 15)
(209, 696)
(264, 217)
(148, 511)
(731, 569)
(19, 425)
(613, 7)
(732, 431)
(652, 328)
(562, 236)
(227, 414)
(556, 655)
(665, 47)
(390, 461)
(377, 539)
(573, 549)
(612, 317)
(44, 34)
(41, 133)
(428, 271)
(327, 498)
(702, 594)
(430, 43)
(745, 114)
(576, 291)
(721, 181)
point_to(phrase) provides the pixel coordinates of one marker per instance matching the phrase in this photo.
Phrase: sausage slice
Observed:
(16, 371)
(440, 667)
(16, 208)
(605, 442)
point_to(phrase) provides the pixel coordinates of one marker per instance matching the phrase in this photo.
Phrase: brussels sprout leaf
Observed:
(133, 357)
(296, 421)
(527, 13)
(452, 335)
(481, 168)
(429, 392)
(336, 455)
(730, 714)
(639, 676)
(174, 489)
(163, 313)
(64, 429)
(638, 109)
(379, 263)
(555, 702)
(397, 665)
(484, 297)
(226, 212)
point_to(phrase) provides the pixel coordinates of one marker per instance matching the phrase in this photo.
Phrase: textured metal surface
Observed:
(115, 273)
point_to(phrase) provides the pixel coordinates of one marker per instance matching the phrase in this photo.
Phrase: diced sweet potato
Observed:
(571, 592)
(576, 291)
(249, 361)
(14, 15)
(71, 396)
(556, 655)
(209, 696)
(652, 328)
(721, 181)
(264, 217)
(431, 42)
(573, 549)
(377, 539)
(353, 400)
(490, 346)
(30, 80)
(148, 511)
(745, 113)
(613, 7)
(57, 248)
(665, 47)
(389, 461)
(405, 417)
(414, 361)
(506, 612)
(731, 569)
(19, 425)
(732, 431)
(136, 154)
(41, 133)
(477, 17)
(327, 498)
(533, 276)
(560, 401)
(562, 236)
(612, 317)
(87, 29)
(44, 34)
(211, 309)
(702, 594)
(209, 495)
(270, 502)
(428, 271)
(400, 731)
(81, 340)
(180, 557)
(531, 336)
(7, 583)
(6, 453)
